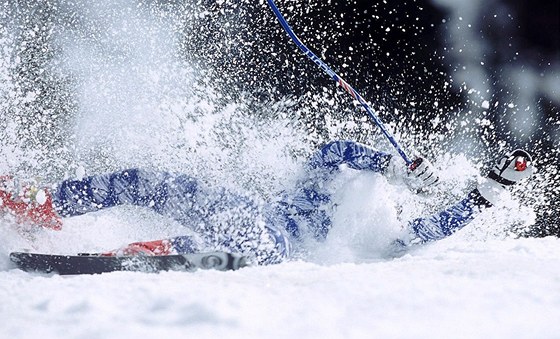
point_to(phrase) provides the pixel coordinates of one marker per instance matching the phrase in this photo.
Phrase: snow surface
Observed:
(452, 289)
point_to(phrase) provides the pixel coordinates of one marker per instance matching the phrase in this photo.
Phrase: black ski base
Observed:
(95, 264)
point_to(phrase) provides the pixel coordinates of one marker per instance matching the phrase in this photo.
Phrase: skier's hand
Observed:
(421, 174)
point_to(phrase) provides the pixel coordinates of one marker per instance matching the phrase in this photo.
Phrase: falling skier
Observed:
(219, 219)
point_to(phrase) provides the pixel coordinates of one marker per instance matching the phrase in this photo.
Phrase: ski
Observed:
(96, 264)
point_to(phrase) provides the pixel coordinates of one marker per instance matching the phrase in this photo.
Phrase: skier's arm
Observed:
(509, 170)
(419, 175)
(448, 221)
(352, 154)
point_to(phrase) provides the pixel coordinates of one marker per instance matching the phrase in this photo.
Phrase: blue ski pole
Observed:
(340, 81)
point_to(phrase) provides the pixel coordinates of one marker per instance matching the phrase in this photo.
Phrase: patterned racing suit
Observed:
(235, 222)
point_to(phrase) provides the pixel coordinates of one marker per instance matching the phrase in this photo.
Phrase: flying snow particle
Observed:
(80, 172)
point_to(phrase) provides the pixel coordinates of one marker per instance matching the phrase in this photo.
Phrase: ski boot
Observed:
(156, 247)
(176, 245)
(28, 204)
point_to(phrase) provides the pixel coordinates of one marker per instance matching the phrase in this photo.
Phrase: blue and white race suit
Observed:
(230, 221)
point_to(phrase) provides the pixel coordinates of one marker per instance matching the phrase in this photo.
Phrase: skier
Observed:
(223, 220)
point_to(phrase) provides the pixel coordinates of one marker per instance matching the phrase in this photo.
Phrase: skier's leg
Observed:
(160, 191)
(277, 237)
(223, 219)
(166, 194)
(175, 245)
(132, 186)
(178, 196)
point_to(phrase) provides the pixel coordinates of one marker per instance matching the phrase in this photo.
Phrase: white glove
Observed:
(510, 169)
(421, 174)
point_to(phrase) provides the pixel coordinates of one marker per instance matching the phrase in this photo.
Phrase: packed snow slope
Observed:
(456, 288)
